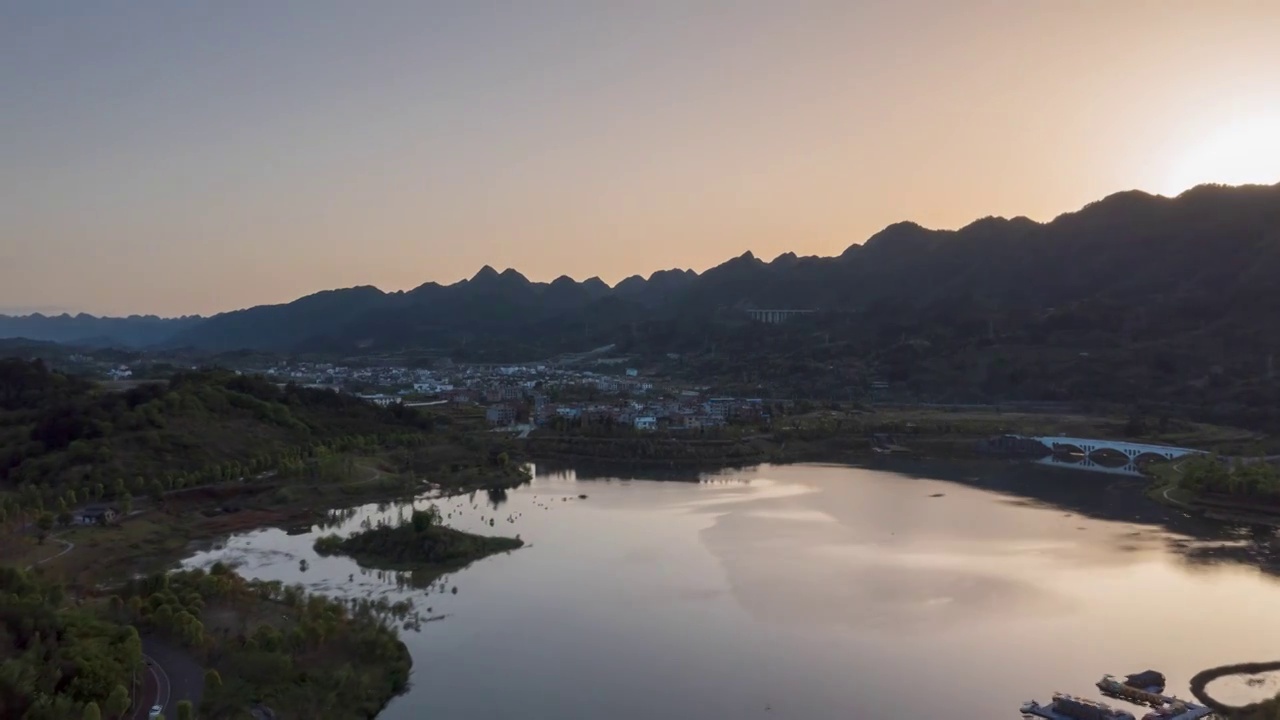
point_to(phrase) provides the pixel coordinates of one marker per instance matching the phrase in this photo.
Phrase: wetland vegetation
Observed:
(419, 542)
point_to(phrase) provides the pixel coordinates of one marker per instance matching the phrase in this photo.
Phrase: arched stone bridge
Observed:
(1089, 446)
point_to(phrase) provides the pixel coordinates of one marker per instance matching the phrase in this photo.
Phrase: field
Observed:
(980, 423)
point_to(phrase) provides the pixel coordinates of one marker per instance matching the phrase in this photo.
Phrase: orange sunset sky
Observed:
(170, 158)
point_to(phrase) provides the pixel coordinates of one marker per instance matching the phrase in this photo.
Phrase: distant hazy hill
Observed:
(91, 331)
(1185, 265)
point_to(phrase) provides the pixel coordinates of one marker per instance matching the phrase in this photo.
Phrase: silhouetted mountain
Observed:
(280, 327)
(90, 331)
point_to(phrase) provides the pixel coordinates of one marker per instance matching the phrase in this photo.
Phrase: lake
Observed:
(909, 590)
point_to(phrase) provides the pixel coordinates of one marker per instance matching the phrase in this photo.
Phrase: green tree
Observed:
(117, 702)
(185, 711)
(65, 518)
(44, 523)
(156, 491)
(212, 680)
(126, 504)
(423, 519)
(91, 712)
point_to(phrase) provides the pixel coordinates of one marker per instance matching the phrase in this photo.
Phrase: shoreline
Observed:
(309, 511)
(1163, 488)
(158, 537)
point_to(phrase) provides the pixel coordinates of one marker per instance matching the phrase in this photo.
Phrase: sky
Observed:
(196, 157)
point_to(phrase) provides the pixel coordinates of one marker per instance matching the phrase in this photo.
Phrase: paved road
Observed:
(155, 690)
(174, 676)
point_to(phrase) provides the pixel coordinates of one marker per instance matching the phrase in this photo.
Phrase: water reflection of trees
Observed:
(427, 580)
(335, 518)
(1113, 498)
(497, 496)
(611, 471)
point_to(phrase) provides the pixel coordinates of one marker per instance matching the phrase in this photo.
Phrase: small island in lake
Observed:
(418, 542)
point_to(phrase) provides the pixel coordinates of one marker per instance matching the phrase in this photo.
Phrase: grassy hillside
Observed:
(61, 435)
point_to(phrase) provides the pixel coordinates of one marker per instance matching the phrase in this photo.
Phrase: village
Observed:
(535, 395)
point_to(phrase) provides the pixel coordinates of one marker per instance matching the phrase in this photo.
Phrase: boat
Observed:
(1148, 680)
(1178, 710)
(1069, 707)
(1112, 687)
(1172, 710)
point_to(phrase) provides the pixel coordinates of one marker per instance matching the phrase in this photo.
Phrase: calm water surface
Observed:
(811, 592)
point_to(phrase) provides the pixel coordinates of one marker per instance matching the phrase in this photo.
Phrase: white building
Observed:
(646, 422)
(381, 400)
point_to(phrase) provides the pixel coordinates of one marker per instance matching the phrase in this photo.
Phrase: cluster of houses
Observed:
(387, 385)
(536, 394)
(685, 411)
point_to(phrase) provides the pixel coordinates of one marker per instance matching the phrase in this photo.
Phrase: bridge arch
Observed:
(1130, 450)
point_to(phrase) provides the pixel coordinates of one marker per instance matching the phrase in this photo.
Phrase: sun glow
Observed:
(1241, 153)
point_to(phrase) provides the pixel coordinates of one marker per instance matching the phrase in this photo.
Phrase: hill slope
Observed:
(134, 331)
(60, 433)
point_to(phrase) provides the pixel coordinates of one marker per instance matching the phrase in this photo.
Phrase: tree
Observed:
(91, 712)
(117, 702)
(64, 518)
(126, 505)
(423, 519)
(185, 711)
(44, 523)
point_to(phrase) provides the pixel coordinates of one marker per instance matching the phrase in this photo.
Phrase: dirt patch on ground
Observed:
(214, 495)
(249, 519)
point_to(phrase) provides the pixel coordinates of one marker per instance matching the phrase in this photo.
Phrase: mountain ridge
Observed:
(1108, 247)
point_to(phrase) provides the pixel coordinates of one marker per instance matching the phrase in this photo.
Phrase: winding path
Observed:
(67, 546)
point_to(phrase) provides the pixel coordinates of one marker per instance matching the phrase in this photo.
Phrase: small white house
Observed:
(96, 515)
(381, 400)
(646, 422)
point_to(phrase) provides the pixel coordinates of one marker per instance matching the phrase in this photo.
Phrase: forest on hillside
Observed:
(65, 441)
